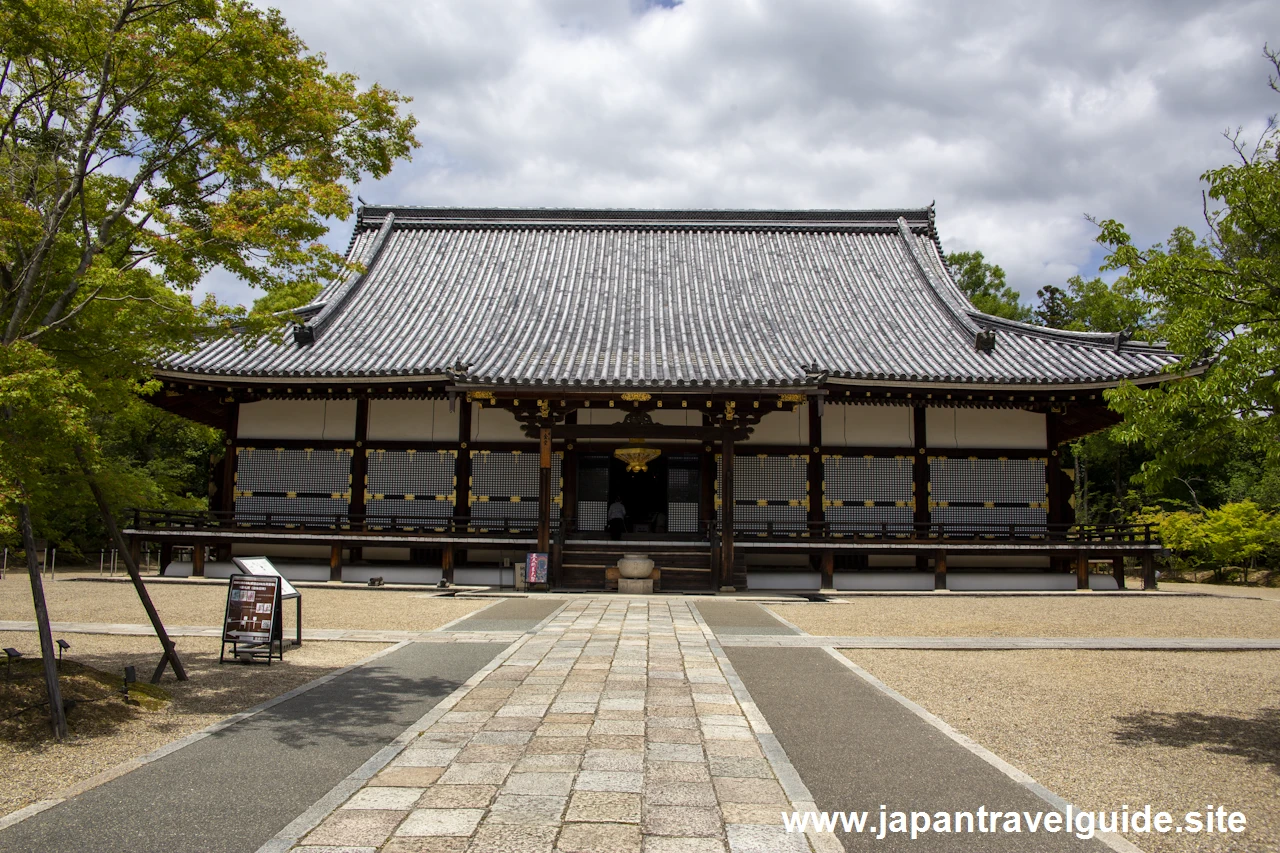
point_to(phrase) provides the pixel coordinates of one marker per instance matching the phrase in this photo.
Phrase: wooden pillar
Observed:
(359, 463)
(827, 567)
(197, 560)
(707, 488)
(446, 563)
(335, 561)
(462, 488)
(544, 492)
(1117, 570)
(227, 498)
(1082, 570)
(726, 507)
(940, 570)
(1148, 570)
(135, 550)
(920, 482)
(814, 452)
(569, 488)
(166, 556)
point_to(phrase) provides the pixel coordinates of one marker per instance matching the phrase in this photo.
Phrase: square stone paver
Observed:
(441, 822)
(527, 810)
(688, 821)
(480, 773)
(762, 791)
(414, 757)
(732, 765)
(608, 780)
(604, 806)
(457, 796)
(676, 771)
(680, 794)
(674, 752)
(617, 760)
(408, 777)
(599, 838)
(765, 839)
(355, 828)
(426, 844)
(507, 838)
(384, 798)
(659, 844)
(540, 783)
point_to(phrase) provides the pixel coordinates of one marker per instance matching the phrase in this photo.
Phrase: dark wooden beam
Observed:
(574, 432)
(1082, 570)
(1117, 570)
(335, 562)
(544, 493)
(815, 472)
(1148, 570)
(360, 459)
(940, 569)
(462, 491)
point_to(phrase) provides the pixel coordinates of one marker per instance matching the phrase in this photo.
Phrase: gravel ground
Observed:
(1177, 730)
(1041, 616)
(72, 600)
(213, 692)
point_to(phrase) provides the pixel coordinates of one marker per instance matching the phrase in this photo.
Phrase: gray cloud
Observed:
(1017, 118)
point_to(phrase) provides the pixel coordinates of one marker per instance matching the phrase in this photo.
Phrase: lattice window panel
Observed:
(592, 515)
(684, 487)
(293, 486)
(866, 494)
(988, 495)
(410, 484)
(504, 485)
(767, 490)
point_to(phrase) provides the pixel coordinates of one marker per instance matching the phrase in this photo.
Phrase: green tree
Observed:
(143, 144)
(1053, 310)
(985, 286)
(1220, 295)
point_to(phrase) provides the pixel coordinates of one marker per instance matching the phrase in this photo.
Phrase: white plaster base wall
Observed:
(868, 426)
(1007, 429)
(891, 561)
(993, 561)
(412, 420)
(1010, 581)
(322, 419)
(398, 554)
(291, 571)
(782, 426)
(484, 577)
(891, 581)
(391, 574)
(783, 580)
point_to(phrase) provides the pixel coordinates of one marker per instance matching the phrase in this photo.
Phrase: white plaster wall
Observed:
(413, 420)
(784, 580)
(674, 417)
(995, 429)
(490, 424)
(391, 574)
(783, 427)
(868, 426)
(303, 552)
(600, 416)
(912, 581)
(321, 419)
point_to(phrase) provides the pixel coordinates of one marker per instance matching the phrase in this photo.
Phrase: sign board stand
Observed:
(262, 567)
(535, 569)
(252, 622)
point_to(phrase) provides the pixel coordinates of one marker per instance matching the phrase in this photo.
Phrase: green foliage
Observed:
(1220, 297)
(141, 146)
(1237, 534)
(985, 286)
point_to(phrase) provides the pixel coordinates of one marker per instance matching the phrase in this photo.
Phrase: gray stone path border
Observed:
(1154, 644)
(792, 785)
(170, 748)
(326, 805)
(1113, 840)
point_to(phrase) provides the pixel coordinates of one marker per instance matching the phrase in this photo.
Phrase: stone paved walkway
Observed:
(614, 728)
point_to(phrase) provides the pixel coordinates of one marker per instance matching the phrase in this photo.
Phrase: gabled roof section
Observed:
(663, 298)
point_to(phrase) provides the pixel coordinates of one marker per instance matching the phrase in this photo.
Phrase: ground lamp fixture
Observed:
(130, 676)
(63, 645)
(10, 655)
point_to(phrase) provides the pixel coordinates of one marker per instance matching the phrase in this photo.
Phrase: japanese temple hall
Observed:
(796, 400)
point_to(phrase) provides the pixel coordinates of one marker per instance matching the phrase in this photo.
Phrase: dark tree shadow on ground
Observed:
(1255, 739)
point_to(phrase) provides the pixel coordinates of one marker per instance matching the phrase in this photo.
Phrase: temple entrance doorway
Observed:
(643, 493)
(662, 500)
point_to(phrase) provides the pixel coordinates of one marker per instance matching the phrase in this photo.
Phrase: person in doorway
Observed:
(617, 519)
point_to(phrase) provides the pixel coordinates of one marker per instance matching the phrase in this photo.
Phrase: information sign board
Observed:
(261, 567)
(252, 618)
(535, 568)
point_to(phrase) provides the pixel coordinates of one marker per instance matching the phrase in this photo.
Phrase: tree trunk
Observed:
(131, 565)
(57, 715)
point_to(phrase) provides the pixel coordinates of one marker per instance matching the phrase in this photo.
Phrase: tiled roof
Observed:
(663, 298)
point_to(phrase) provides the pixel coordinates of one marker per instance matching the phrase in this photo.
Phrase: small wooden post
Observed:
(166, 556)
(197, 560)
(335, 561)
(828, 569)
(1082, 570)
(1148, 570)
(940, 570)
(1117, 570)
(135, 550)
(446, 563)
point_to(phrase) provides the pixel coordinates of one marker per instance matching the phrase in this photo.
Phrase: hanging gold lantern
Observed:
(637, 457)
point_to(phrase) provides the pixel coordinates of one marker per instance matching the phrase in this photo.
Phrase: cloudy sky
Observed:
(1017, 118)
